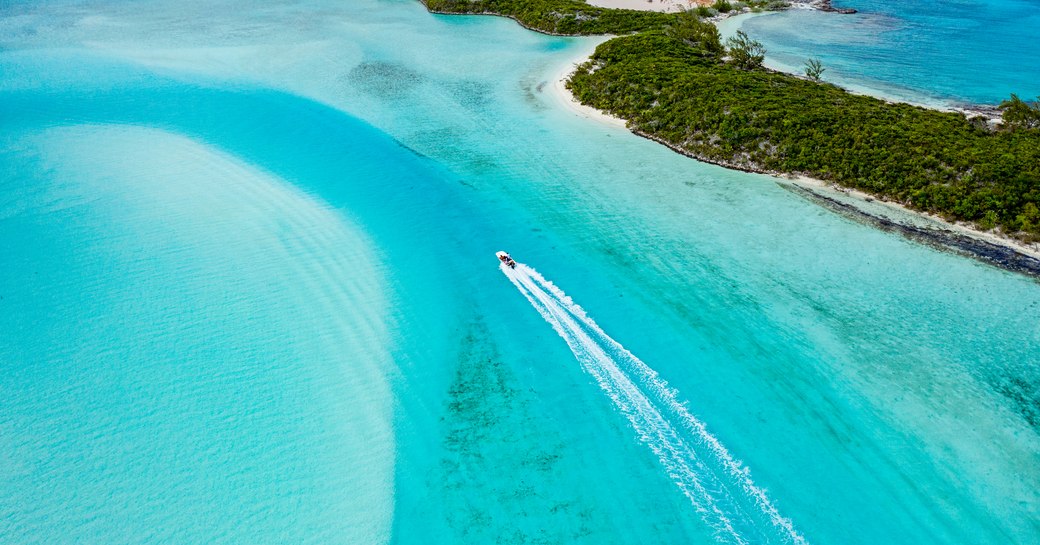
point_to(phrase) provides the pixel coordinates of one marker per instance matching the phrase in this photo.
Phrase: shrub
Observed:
(1019, 114)
(722, 6)
(814, 69)
(745, 53)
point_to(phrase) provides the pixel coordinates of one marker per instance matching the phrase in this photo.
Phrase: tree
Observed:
(697, 33)
(745, 53)
(1019, 114)
(814, 69)
(722, 6)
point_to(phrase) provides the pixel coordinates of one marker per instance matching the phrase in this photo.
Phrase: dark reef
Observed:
(941, 239)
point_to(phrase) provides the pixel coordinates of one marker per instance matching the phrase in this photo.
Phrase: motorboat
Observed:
(504, 258)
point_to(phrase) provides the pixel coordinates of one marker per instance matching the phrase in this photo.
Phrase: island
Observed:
(673, 80)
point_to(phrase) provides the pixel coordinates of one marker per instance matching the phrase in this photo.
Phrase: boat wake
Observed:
(718, 485)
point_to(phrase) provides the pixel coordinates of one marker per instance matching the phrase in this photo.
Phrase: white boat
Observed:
(504, 258)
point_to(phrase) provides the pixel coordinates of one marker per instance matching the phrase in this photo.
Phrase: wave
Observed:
(718, 485)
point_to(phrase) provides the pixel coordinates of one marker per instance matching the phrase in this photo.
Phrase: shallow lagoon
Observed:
(925, 51)
(253, 299)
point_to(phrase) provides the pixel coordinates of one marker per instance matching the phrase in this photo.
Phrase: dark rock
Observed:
(825, 5)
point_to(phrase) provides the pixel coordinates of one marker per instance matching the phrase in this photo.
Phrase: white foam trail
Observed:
(718, 486)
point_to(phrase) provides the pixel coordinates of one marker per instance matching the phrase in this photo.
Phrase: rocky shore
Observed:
(999, 252)
(993, 253)
(823, 5)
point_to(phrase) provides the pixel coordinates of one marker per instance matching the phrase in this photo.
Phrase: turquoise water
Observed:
(933, 51)
(249, 295)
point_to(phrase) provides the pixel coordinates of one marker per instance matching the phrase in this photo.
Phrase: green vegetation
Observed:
(576, 18)
(568, 17)
(722, 6)
(1019, 114)
(687, 96)
(675, 82)
(814, 69)
(695, 32)
(745, 53)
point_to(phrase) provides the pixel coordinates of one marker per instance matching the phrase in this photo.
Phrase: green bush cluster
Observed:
(569, 17)
(933, 161)
(1019, 114)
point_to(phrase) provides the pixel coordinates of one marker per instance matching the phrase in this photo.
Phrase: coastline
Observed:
(492, 14)
(988, 247)
(919, 227)
(562, 96)
(731, 23)
(649, 5)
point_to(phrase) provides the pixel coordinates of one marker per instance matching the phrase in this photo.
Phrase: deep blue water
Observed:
(960, 52)
(249, 295)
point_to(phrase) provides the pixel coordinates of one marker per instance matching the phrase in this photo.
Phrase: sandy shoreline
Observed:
(650, 5)
(564, 98)
(922, 227)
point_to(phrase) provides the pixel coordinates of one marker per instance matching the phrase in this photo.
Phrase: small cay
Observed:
(677, 83)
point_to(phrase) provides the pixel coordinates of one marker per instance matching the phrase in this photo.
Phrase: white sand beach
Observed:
(649, 5)
(562, 96)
